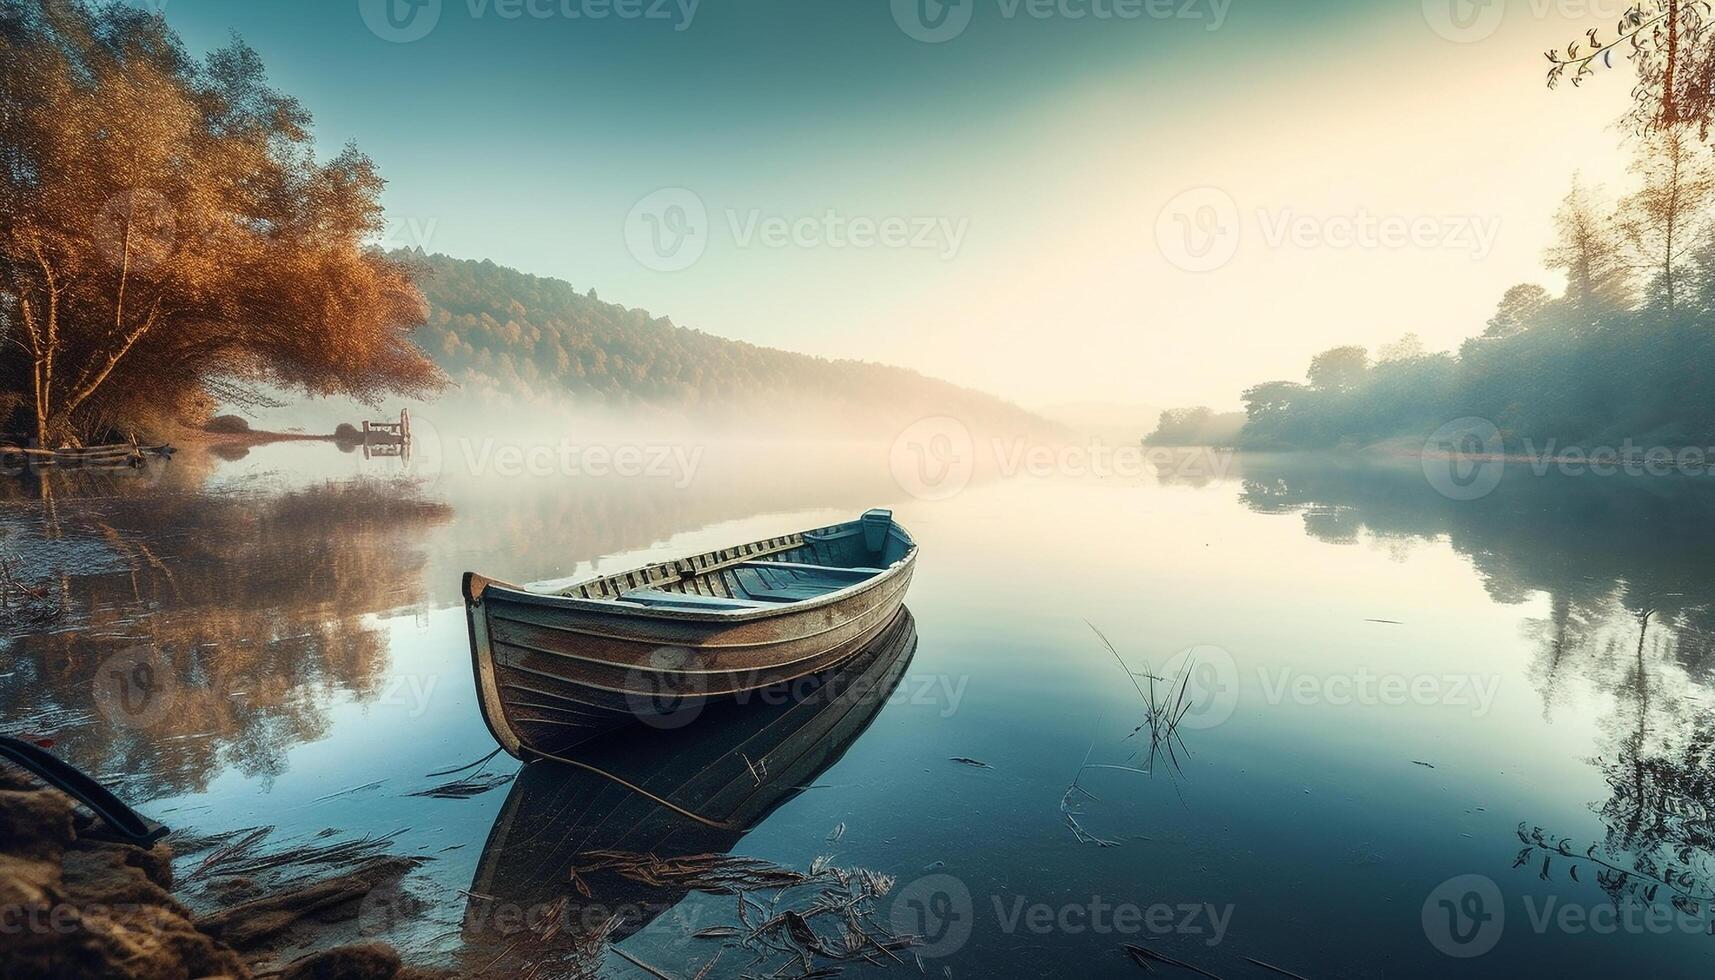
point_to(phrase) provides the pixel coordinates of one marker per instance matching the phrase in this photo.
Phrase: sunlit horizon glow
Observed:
(1054, 144)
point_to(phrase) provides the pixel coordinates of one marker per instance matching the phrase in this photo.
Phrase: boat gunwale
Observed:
(772, 641)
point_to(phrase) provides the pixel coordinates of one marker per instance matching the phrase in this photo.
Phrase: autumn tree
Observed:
(168, 237)
(1662, 217)
(1670, 45)
(1591, 254)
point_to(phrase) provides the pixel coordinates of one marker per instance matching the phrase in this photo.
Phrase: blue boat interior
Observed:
(794, 569)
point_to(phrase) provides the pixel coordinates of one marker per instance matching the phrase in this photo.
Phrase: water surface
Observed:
(1418, 726)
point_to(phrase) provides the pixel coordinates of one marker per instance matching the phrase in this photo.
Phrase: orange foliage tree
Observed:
(168, 237)
(1671, 45)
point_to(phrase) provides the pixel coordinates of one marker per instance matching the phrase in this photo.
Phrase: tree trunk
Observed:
(41, 409)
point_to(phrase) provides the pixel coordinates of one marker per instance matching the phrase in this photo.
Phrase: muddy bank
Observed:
(75, 904)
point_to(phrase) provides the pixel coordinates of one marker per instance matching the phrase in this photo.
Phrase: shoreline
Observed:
(81, 903)
(254, 437)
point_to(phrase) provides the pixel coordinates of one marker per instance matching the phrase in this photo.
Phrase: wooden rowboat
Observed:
(657, 644)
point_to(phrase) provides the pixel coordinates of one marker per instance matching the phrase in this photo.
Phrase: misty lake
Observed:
(1425, 735)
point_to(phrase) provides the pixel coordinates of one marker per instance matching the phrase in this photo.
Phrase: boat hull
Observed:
(555, 670)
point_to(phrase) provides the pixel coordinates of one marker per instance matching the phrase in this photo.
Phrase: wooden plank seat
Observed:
(687, 600)
(838, 571)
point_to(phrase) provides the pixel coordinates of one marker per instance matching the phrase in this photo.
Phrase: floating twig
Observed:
(1142, 956)
(1276, 969)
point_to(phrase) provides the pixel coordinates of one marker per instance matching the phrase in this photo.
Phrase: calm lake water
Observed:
(1419, 728)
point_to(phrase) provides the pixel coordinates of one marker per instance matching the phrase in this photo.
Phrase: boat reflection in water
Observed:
(703, 788)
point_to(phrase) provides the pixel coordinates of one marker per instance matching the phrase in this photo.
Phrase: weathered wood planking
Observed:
(655, 644)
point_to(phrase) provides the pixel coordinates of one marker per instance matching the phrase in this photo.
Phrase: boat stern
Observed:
(482, 664)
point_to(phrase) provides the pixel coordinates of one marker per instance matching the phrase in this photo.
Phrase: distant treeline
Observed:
(1625, 352)
(1197, 427)
(500, 332)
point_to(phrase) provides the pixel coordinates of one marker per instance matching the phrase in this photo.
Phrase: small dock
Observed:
(388, 438)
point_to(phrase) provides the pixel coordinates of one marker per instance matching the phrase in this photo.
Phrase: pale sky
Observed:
(1030, 159)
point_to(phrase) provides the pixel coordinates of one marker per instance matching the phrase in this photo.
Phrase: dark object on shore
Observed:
(112, 456)
(122, 821)
(646, 816)
(660, 643)
(81, 906)
(85, 904)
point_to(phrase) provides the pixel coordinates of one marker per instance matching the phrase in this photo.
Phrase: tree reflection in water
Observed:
(203, 630)
(1628, 576)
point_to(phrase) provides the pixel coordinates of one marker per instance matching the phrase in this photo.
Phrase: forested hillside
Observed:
(505, 334)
